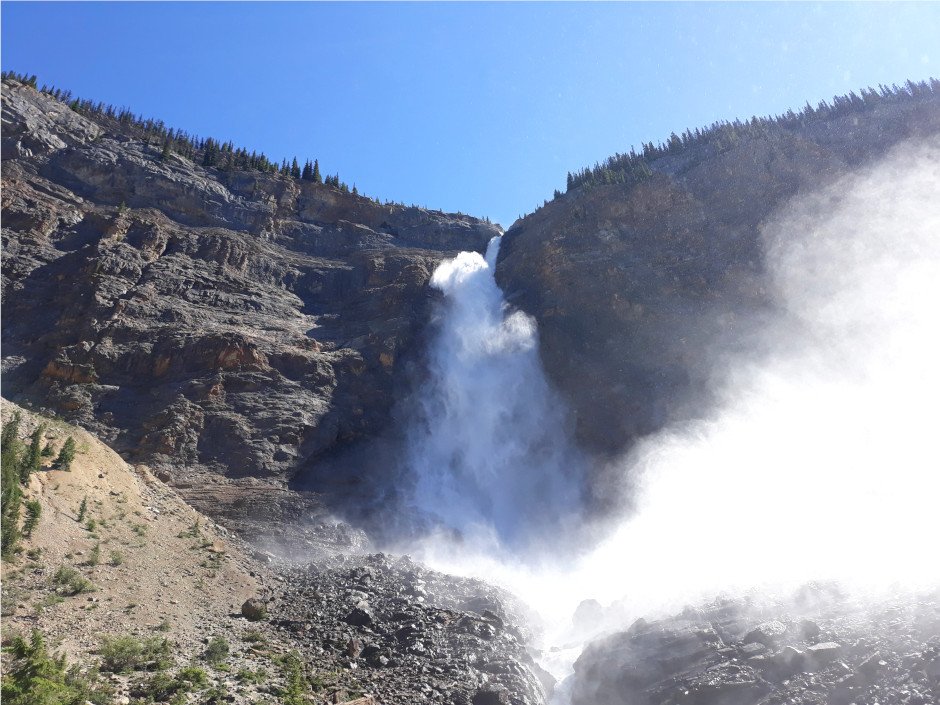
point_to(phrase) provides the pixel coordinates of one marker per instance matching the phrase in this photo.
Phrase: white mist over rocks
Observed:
(819, 462)
(490, 455)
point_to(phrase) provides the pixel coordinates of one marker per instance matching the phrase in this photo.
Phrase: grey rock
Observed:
(821, 654)
(254, 610)
(767, 633)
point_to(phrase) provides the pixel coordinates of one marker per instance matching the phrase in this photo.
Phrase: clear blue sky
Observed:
(476, 107)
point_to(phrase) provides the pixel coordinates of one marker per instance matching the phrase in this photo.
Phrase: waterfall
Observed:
(489, 451)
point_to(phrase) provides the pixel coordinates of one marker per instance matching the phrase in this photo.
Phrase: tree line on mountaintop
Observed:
(207, 152)
(635, 166)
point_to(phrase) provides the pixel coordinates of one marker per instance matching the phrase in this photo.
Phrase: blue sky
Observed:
(476, 107)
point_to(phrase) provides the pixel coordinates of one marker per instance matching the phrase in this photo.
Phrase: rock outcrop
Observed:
(238, 322)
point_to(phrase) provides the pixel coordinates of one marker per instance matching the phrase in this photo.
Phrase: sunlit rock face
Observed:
(242, 322)
(636, 288)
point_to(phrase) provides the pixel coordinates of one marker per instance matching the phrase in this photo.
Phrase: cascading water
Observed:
(490, 454)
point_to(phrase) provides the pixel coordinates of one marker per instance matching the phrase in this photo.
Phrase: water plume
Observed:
(818, 462)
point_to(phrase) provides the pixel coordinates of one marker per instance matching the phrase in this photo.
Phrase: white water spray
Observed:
(818, 463)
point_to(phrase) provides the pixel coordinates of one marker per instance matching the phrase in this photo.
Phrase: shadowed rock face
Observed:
(235, 321)
(635, 288)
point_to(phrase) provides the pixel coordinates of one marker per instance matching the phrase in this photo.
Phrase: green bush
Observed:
(120, 654)
(216, 650)
(69, 581)
(94, 558)
(246, 675)
(193, 675)
(162, 687)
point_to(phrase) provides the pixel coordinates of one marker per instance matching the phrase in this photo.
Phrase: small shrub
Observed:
(48, 451)
(82, 509)
(215, 696)
(69, 581)
(254, 637)
(48, 601)
(140, 529)
(117, 558)
(246, 675)
(161, 687)
(191, 533)
(9, 599)
(94, 558)
(194, 675)
(216, 650)
(120, 654)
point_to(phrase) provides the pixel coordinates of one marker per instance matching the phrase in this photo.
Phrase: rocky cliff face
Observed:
(242, 322)
(635, 286)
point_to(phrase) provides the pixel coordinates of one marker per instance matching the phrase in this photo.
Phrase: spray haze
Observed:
(817, 462)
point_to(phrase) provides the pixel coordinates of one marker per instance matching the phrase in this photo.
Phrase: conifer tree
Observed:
(66, 455)
(317, 177)
(11, 493)
(295, 169)
(33, 460)
(307, 173)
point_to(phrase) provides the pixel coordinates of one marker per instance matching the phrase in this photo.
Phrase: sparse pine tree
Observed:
(317, 177)
(66, 455)
(11, 430)
(11, 493)
(82, 509)
(307, 173)
(33, 512)
(295, 169)
(33, 460)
